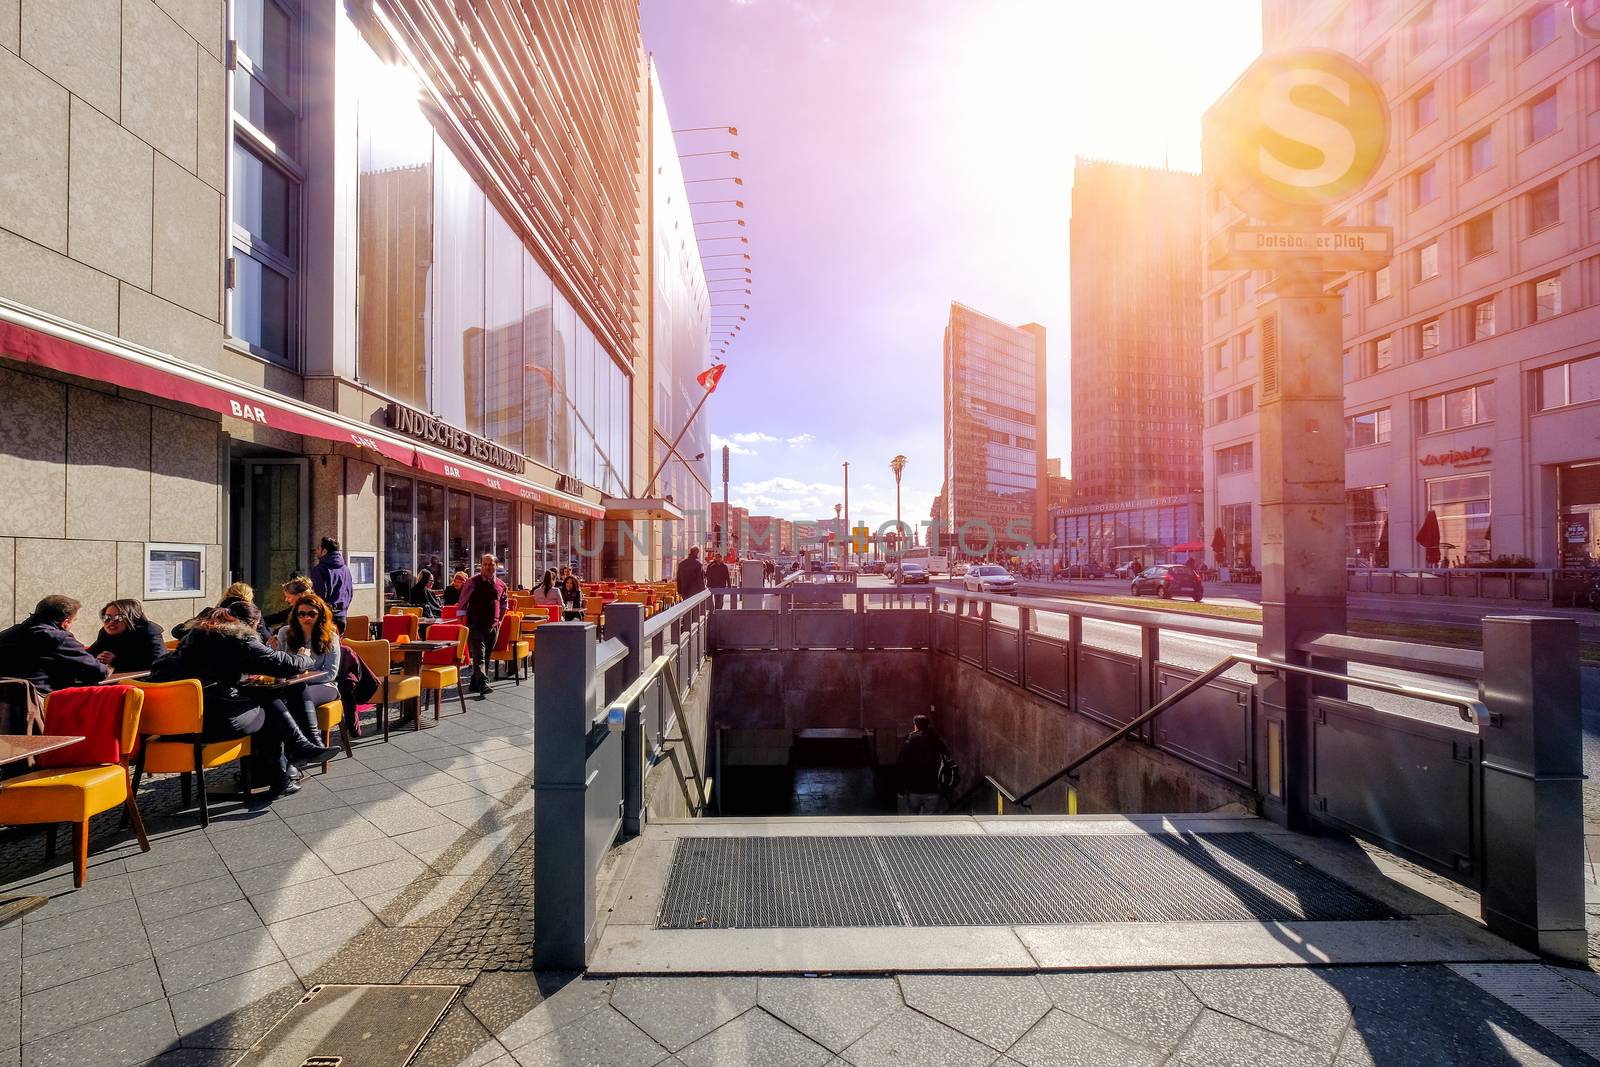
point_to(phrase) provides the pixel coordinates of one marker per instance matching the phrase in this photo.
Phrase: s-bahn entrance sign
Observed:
(1300, 130)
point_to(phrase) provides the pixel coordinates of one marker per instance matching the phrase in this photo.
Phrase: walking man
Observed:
(483, 602)
(920, 757)
(691, 576)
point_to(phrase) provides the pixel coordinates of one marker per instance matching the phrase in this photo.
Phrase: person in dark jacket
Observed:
(424, 596)
(296, 587)
(920, 756)
(691, 576)
(572, 596)
(332, 581)
(219, 650)
(452, 595)
(482, 603)
(717, 576)
(127, 641)
(41, 649)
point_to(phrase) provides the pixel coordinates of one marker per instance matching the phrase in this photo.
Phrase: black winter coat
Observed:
(691, 577)
(919, 762)
(219, 659)
(48, 656)
(135, 648)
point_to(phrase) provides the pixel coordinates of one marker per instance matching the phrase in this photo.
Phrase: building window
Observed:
(1367, 428)
(1541, 26)
(1547, 298)
(1247, 344)
(1383, 353)
(1219, 357)
(1380, 284)
(1542, 117)
(1455, 409)
(1217, 410)
(1217, 304)
(1235, 522)
(1424, 31)
(1428, 338)
(1382, 212)
(1234, 459)
(265, 197)
(1480, 235)
(1428, 261)
(1425, 184)
(1578, 490)
(1244, 401)
(1483, 319)
(1461, 504)
(1544, 207)
(1424, 108)
(1565, 384)
(1480, 153)
(1366, 521)
(1478, 71)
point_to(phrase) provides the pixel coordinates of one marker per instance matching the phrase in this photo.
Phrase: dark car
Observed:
(911, 574)
(1167, 580)
(1078, 571)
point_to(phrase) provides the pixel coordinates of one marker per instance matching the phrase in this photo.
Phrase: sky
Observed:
(898, 155)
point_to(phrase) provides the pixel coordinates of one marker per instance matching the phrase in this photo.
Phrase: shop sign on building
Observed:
(436, 431)
(1458, 457)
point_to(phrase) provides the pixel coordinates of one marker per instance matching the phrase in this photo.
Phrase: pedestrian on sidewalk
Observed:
(922, 756)
(691, 577)
(483, 602)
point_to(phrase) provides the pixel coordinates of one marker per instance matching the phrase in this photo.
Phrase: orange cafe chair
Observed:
(392, 688)
(444, 666)
(330, 715)
(448, 613)
(509, 647)
(358, 628)
(170, 727)
(76, 783)
(401, 609)
(396, 625)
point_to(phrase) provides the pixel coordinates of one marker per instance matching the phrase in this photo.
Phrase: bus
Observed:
(927, 559)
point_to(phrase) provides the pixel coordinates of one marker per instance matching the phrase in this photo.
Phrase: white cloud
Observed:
(752, 438)
(732, 445)
(800, 440)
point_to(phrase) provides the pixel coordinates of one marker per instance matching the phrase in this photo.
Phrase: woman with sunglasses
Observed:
(128, 641)
(310, 632)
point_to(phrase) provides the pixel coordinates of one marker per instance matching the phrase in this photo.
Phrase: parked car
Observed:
(989, 578)
(1125, 570)
(910, 574)
(1079, 571)
(958, 569)
(1166, 580)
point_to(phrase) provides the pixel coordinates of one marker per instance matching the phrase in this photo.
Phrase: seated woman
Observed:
(310, 633)
(128, 641)
(547, 593)
(572, 596)
(296, 587)
(424, 596)
(452, 595)
(220, 649)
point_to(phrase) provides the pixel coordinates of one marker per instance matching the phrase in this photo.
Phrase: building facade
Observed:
(995, 491)
(1472, 380)
(1136, 375)
(281, 269)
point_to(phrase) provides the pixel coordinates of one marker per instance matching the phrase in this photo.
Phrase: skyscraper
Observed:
(1136, 374)
(994, 434)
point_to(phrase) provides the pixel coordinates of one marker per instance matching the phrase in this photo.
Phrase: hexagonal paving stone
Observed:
(1221, 1041)
(754, 1038)
(833, 1011)
(1063, 1040)
(996, 1009)
(909, 1037)
(679, 1011)
(601, 1038)
(1151, 1007)
(1295, 1002)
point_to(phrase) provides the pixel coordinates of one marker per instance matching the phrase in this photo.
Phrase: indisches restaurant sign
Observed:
(435, 431)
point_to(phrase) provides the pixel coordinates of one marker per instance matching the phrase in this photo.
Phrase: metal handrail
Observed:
(662, 619)
(616, 714)
(1175, 621)
(1472, 711)
(990, 781)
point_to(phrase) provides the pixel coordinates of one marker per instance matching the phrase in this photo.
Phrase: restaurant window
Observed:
(1456, 409)
(1428, 338)
(1540, 26)
(1234, 459)
(1425, 185)
(1483, 319)
(399, 530)
(1544, 207)
(1478, 70)
(1577, 382)
(1367, 428)
(263, 275)
(1428, 261)
(460, 526)
(1424, 108)
(1380, 284)
(1366, 512)
(1480, 235)
(1461, 504)
(1578, 490)
(1383, 353)
(1480, 153)
(1543, 119)
(431, 519)
(1547, 298)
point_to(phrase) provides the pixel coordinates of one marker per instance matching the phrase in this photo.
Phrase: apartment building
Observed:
(1472, 361)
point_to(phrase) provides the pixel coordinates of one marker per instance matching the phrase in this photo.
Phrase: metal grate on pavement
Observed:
(970, 880)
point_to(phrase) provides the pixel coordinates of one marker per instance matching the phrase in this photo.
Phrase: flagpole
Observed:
(673, 447)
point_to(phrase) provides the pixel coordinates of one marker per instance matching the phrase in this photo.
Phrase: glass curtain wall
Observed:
(456, 316)
(1367, 526)
(1462, 506)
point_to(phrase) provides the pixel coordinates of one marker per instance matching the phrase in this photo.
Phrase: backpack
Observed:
(949, 773)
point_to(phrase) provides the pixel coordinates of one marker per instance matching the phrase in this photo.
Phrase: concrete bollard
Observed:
(565, 699)
(625, 622)
(1532, 785)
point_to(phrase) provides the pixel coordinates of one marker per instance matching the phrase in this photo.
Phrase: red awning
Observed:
(1189, 546)
(117, 363)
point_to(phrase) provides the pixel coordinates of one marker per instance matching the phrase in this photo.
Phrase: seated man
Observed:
(42, 650)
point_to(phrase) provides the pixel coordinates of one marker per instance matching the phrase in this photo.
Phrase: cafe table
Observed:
(264, 684)
(13, 749)
(123, 677)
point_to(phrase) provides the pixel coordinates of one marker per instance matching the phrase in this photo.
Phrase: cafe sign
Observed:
(1458, 457)
(435, 431)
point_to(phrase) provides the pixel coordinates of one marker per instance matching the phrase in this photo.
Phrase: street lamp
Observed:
(898, 465)
(847, 507)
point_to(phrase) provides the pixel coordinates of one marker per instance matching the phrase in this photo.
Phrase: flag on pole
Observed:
(709, 377)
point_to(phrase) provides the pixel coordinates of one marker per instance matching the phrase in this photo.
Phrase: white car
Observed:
(989, 578)
(957, 570)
